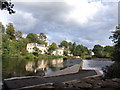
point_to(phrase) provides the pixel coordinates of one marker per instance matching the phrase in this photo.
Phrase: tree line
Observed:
(13, 44)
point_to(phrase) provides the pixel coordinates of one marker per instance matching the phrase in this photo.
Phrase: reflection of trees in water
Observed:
(13, 67)
(53, 68)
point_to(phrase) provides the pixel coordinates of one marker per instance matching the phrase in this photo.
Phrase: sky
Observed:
(86, 22)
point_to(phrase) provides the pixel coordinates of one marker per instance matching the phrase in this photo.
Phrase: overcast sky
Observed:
(86, 22)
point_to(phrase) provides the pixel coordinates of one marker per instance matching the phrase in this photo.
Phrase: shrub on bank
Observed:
(29, 56)
(86, 56)
(113, 71)
(45, 56)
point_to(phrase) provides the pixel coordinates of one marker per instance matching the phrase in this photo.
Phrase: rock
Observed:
(48, 86)
(83, 85)
(70, 86)
(90, 81)
(116, 80)
(59, 85)
(110, 84)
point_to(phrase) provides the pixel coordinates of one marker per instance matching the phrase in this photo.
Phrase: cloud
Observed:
(80, 21)
(24, 21)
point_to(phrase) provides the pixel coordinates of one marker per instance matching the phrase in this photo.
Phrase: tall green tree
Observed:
(32, 37)
(116, 39)
(69, 45)
(2, 27)
(73, 49)
(18, 34)
(80, 50)
(98, 49)
(42, 36)
(64, 44)
(52, 47)
(10, 30)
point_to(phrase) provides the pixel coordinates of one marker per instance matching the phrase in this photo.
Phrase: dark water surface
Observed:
(18, 68)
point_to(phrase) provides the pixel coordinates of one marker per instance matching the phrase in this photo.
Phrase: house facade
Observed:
(42, 48)
(91, 53)
(58, 52)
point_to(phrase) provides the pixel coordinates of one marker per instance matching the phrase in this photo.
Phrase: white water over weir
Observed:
(96, 64)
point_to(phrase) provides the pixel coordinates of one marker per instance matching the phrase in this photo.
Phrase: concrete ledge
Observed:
(70, 70)
(34, 86)
(93, 76)
(25, 77)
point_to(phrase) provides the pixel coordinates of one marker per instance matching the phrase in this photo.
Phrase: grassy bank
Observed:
(32, 56)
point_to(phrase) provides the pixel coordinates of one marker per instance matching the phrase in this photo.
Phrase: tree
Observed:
(10, 31)
(73, 49)
(2, 27)
(52, 47)
(108, 49)
(70, 45)
(32, 37)
(64, 44)
(5, 37)
(42, 36)
(116, 39)
(36, 51)
(80, 50)
(18, 34)
(98, 50)
(5, 5)
(113, 71)
(41, 42)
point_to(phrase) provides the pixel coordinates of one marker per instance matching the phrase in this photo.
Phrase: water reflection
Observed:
(44, 65)
(16, 67)
(29, 66)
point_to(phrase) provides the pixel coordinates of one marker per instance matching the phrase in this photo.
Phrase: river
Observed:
(18, 68)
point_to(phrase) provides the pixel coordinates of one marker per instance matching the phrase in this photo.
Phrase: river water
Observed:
(18, 68)
(96, 64)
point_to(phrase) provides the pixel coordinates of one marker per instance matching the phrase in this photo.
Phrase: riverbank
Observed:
(102, 59)
(31, 56)
(89, 83)
(94, 82)
(32, 82)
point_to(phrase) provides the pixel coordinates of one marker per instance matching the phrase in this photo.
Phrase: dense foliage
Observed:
(103, 52)
(116, 39)
(14, 45)
(113, 71)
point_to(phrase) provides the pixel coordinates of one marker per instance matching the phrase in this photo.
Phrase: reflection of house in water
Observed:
(29, 66)
(57, 62)
(42, 64)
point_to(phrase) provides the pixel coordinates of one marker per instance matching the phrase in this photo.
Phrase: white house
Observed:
(91, 53)
(42, 48)
(58, 52)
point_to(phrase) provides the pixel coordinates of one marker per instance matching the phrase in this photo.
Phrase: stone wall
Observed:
(89, 84)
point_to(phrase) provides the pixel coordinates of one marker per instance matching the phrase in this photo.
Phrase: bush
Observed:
(113, 71)
(29, 56)
(86, 56)
(45, 56)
